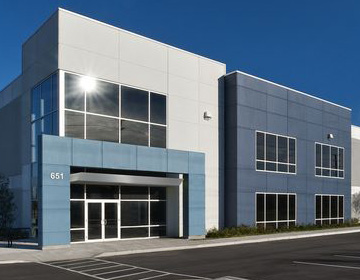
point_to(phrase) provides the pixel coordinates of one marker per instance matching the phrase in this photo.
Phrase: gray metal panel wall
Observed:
(252, 104)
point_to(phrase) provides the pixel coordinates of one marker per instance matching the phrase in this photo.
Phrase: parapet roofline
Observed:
(288, 88)
(141, 36)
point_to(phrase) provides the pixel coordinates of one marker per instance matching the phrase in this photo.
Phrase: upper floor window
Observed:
(329, 161)
(275, 153)
(110, 112)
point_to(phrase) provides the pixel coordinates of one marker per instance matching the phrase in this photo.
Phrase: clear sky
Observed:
(310, 45)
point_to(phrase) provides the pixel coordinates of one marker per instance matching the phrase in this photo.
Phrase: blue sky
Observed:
(312, 46)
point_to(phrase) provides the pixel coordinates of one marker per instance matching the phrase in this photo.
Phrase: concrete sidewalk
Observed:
(125, 247)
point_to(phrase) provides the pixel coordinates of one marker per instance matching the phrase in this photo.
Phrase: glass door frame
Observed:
(102, 202)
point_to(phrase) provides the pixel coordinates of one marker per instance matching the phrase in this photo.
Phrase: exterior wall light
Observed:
(87, 84)
(331, 136)
(207, 116)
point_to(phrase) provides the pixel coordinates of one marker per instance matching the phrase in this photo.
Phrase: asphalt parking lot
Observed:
(330, 257)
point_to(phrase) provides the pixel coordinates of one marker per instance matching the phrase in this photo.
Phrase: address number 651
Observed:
(56, 176)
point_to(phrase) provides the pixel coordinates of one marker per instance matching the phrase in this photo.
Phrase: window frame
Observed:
(322, 219)
(277, 221)
(63, 109)
(330, 169)
(277, 162)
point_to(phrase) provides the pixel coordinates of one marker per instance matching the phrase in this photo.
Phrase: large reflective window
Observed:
(101, 128)
(104, 99)
(158, 108)
(74, 124)
(134, 104)
(158, 136)
(74, 93)
(134, 133)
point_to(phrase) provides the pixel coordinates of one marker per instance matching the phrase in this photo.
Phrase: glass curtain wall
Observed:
(114, 113)
(44, 120)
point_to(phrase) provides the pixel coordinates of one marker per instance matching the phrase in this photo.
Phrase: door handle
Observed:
(105, 222)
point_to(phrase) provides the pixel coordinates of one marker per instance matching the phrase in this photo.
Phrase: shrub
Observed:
(246, 230)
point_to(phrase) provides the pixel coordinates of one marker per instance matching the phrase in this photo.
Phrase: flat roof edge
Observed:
(288, 88)
(138, 35)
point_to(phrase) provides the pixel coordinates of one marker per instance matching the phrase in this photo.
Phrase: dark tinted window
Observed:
(157, 231)
(77, 191)
(318, 207)
(325, 206)
(157, 136)
(158, 213)
(102, 192)
(260, 214)
(292, 207)
(77, 214)
(157, 108)
(341, 158)
(134, 104)
(270, 147)
(104, 99)
(74, 94)
(134, 213)
(326, 156)
(134, 193)
(134, 232)
(77, 235)
(334, 207)
(74, 124)
(282, 149)
(271, 207)
(157, 193)
(260, 145)
(341, 206)
(101, 128)
(292, 152)
(334, 157)
(318, 155)
(134, 133)
(282, 207)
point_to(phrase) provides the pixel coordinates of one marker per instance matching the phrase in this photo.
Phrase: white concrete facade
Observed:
(95, 49)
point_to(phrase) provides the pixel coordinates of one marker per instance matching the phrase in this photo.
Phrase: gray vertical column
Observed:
(54, 191)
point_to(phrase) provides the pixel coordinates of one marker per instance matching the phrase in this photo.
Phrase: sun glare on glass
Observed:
(88, 83)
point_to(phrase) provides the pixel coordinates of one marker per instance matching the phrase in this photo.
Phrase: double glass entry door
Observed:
(102, 220)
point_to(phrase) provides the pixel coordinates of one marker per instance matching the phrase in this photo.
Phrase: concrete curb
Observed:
(13, 261)
(228, 243)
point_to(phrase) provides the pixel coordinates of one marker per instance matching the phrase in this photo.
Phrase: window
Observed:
(329, 209)
(134, 104)
(101, 128)
(329, 161)
(275, 210)
(104, 99)
(114, 113)
(275, 153)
